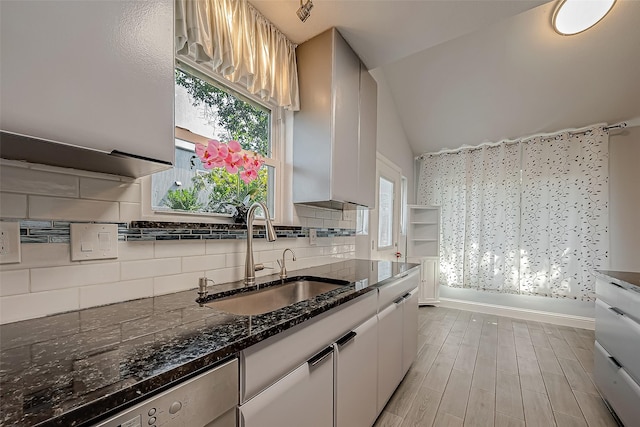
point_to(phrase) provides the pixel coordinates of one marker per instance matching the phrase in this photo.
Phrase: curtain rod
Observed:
(578, 131)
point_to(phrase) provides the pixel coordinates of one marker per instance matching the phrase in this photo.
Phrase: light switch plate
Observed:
(94, 241)
(313, 237)
(9, 242)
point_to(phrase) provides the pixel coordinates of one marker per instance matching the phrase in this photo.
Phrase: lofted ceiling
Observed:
(464, 72)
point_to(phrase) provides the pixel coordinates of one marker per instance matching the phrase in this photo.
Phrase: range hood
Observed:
(30, 149)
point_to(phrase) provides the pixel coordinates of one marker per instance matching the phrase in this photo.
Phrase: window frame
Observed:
(276, 161)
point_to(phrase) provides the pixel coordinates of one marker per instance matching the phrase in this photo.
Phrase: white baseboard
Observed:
(521, 313)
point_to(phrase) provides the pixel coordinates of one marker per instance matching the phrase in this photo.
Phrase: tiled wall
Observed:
(47, 281)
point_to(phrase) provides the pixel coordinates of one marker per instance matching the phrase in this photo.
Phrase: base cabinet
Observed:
(356, 376)
(389, 351)
(304, 397)
(409, 329)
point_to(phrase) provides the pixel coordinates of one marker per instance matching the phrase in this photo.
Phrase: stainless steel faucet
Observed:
(283, 268)
(249, 266)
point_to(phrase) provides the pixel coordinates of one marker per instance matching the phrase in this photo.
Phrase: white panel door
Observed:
(385, 218)
(357, 376)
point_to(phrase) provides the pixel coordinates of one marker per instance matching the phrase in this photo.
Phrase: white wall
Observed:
(624, 197)
(46, 281)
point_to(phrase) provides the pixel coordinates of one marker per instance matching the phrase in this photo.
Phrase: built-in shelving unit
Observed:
(423, 247)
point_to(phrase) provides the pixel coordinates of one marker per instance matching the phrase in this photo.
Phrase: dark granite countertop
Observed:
(73, 368)
(627, 279)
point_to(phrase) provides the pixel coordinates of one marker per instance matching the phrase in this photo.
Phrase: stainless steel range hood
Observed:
(14, 146)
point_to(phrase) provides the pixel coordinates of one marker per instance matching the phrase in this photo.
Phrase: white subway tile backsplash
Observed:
(225, 275)
(150, 268)
(70, 276)
(41, 207)
(179, 282)
(235, 259)
(37, 255)
(14, 282)
(133, 251)
(27, 181)
(27, 306)
(108, 293)
(315, 222)
(169, 248)
(117, 191)
(331, 223)
(130, 211)
(203, 262)
(305, 211)
(224, 246)
(13, 205)
(324, 213)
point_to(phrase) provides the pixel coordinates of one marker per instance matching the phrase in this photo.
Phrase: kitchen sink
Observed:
(274, 297)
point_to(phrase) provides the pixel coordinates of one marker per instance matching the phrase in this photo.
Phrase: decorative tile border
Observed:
(32, 231)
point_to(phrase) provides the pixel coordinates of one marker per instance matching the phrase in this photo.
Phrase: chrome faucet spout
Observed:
(249, 265)
(283, 267)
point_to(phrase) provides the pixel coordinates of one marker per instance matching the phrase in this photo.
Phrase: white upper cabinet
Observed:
(90, 74)
(335, 130)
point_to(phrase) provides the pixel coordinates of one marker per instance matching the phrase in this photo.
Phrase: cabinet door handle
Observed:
(407, 295)
(399, 300)
(320, 356)
(346, 339)
(615, 362)
(615, 284)
(616, 310)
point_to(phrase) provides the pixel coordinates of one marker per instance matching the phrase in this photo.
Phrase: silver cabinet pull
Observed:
(615, 362)
(616, 310)
(320, 356)
(346, 339)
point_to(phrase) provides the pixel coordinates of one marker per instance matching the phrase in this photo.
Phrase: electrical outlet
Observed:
(313, 236)
(9, 242)
(94, 241)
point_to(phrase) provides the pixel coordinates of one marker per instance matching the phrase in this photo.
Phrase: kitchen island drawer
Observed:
(619, 335)
(617, 387)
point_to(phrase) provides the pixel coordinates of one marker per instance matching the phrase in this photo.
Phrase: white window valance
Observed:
(237, 42)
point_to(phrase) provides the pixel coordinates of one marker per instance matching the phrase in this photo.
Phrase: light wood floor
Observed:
(476, 369)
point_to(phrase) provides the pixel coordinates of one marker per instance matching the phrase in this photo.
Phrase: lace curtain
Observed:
(237, 42)
(523, 217)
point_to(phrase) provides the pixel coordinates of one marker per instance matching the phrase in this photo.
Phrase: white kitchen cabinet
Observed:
(304, 397)
(98, 75)
(356, 376)
(409, 329)
(397, 333)
(423, 246)
(390, 349)
(334, 131)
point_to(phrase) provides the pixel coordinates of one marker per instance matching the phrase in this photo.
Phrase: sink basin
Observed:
(273, 297)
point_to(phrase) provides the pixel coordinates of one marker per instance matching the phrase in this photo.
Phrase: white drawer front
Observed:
(620, 336)
(617, 387)
(616, 296)
(392, 291)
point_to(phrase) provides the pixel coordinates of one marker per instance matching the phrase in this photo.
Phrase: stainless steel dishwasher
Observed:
(208, 399)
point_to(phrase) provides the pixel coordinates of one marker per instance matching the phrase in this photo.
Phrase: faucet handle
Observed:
(261, 266)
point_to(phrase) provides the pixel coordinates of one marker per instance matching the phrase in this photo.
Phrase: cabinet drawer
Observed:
(618, 296)
(302, 398)
(264, 363)
(617, 387)
(619, 335)
(392, 291)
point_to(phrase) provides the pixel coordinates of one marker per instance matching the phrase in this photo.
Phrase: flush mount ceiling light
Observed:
(305, 10)
(575, 16)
